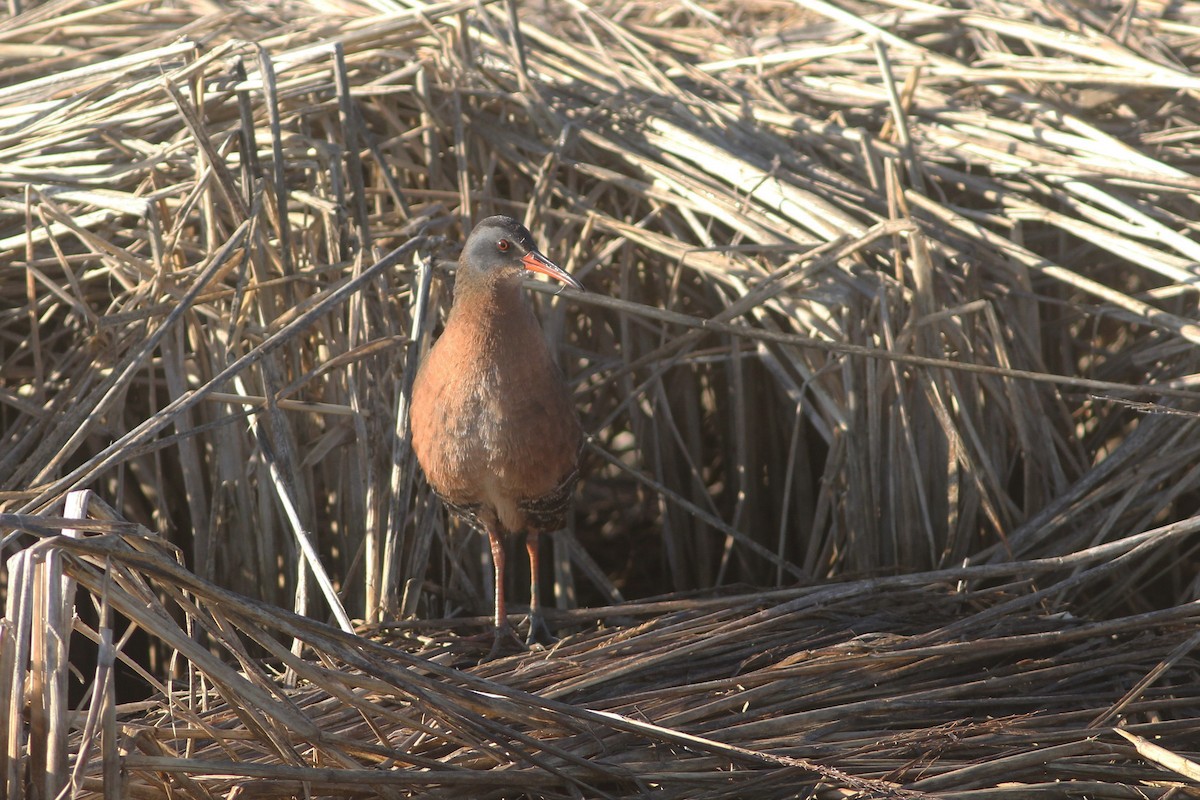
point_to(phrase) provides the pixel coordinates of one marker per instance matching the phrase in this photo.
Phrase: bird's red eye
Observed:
(503, 245)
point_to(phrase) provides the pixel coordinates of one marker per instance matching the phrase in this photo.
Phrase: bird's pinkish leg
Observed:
(503, 636)
(538, 632)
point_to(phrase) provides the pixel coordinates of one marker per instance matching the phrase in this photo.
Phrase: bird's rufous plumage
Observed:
(493, 424)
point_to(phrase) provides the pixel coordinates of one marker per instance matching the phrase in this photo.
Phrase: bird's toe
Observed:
(504, 643)
(539, 631)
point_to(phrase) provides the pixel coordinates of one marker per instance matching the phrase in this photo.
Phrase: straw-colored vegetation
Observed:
(887, 361)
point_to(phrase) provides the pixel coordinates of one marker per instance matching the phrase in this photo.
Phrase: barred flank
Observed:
(549, 512)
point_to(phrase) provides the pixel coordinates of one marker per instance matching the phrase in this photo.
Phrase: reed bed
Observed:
(956, 683)
(887, 364)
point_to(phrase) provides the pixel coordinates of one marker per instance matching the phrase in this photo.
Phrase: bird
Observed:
(492, 422)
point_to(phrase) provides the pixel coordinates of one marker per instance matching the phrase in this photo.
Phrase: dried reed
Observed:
(878, 288)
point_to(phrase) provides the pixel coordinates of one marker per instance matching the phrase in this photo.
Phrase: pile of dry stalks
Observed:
(875, 288)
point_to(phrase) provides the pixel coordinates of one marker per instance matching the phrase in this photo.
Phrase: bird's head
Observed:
(500, 248)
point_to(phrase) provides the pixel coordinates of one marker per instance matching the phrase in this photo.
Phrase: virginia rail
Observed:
(493, 425)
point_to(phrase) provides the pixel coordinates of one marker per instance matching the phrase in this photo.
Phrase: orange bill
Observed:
(536, 262)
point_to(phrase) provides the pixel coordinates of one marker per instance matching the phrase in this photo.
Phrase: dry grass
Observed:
(875, 289)
(911, 686)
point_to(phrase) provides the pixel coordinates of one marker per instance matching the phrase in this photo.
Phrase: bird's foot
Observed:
(539, 632)
(504, 642)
